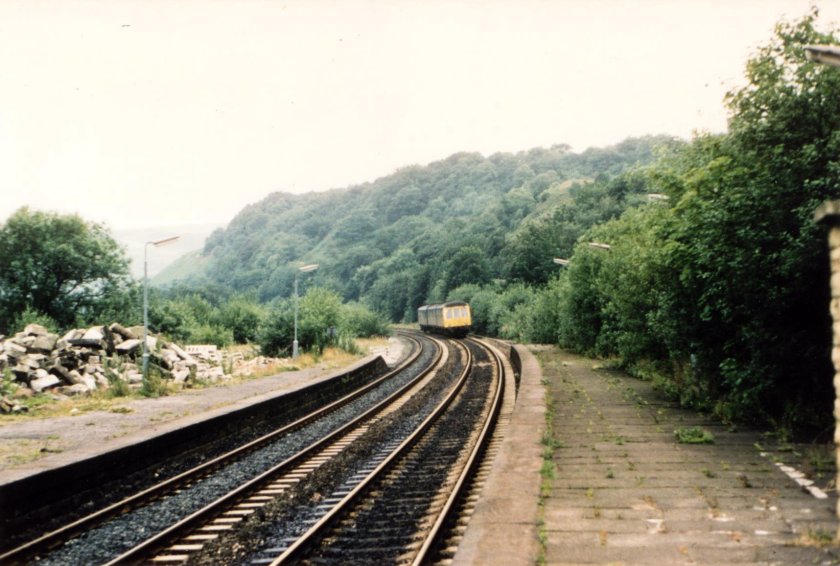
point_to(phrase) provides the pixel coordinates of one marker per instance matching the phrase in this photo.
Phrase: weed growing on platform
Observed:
(550, 444)
(816, 537)
(694, 435)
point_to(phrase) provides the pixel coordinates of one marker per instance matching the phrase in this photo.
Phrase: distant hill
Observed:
(419, 232)
(191, 238)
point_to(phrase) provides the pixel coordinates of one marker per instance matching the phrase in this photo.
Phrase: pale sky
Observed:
(151, 113)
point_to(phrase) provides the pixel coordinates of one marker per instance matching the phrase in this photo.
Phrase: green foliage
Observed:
(31, 316)
(7, 382)
(724, 288)
(203, 316)
(242, 317)
(694, 435)
(116, 387)
(154, 385)
(359, 321)
(211, 334)
(322, 321)
(60, 266)
(318, 320)
(276, 332)
(415, 235)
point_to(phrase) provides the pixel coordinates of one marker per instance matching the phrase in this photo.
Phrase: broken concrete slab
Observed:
(128, 346)
(41, 383)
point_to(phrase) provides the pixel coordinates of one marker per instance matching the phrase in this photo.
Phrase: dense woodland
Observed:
(711, 277)
(415, 235)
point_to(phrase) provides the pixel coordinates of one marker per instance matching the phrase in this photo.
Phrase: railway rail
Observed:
(397, 513)
(126, 520)
(384, 486)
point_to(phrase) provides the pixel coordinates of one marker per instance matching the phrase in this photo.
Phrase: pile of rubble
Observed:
(85, 360)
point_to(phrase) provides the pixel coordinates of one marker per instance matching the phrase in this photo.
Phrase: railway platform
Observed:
(33, 446)
(619, 487)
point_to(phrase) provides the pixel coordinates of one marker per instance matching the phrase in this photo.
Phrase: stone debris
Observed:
(87, 359)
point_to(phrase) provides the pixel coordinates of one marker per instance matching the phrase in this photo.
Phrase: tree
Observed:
(750, 257)
(60, 266)
(727, 284)
(243, 317)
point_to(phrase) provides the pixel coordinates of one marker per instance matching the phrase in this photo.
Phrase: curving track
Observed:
(110, 531)
(396, 515)
(377, 479)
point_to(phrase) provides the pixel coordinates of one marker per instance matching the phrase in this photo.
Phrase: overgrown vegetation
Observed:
(724, 288)
(694, 435)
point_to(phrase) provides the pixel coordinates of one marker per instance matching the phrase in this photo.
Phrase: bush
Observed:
(276, 332)
(362, 322)
(33, 316)
(211, 334)
(242, 317)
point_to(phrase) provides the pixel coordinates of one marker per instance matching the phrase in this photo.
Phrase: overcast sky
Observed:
(152, 113)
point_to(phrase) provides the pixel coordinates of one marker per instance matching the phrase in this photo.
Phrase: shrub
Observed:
(31, 315)
(362, 322)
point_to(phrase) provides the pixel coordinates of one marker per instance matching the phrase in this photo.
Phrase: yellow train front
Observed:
(453, 318)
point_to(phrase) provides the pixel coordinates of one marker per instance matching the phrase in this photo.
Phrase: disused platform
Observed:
(62, 441)
(617, 487)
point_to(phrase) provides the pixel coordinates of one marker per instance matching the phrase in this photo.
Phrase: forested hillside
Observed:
(414, 235)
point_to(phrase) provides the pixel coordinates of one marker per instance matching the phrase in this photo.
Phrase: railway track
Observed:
(381, 488)
(107, 532)
(398, 513)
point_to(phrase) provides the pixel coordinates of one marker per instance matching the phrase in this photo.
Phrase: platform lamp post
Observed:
(157, 244)
(303, 269)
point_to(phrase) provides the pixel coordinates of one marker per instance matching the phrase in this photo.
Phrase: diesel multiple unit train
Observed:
(453, 318)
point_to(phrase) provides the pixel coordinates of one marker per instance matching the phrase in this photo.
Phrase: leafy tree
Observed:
(359, 321)
(171, 317)
(749, 253)
(242, 317)
(467, 265)
(322, 321)
(320, 312)
(60, 266)
(276, 333)
(727, 285)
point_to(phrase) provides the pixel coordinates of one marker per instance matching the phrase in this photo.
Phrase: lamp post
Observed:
(156, 243)
(303, 269)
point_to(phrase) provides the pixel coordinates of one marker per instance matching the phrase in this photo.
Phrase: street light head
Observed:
(828, 54)
(164, 242)
(308, 268)
(561, 261)
(598, 245)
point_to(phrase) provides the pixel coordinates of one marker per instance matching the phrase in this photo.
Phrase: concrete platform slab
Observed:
(625, 491)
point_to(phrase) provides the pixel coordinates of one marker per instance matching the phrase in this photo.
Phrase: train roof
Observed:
(449, 304)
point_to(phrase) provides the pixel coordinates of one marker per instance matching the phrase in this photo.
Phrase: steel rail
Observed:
(437, 530)
(334, 515)
(179, 529)
(56, 537)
